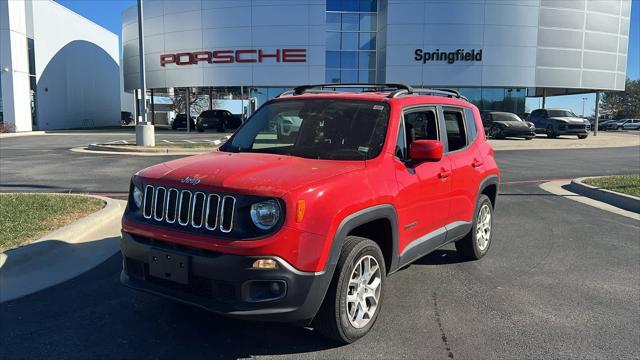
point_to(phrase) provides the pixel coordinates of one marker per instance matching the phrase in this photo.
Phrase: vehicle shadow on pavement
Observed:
(93, 316)
(441, 257)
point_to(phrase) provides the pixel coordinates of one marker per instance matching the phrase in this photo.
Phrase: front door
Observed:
(423, 198)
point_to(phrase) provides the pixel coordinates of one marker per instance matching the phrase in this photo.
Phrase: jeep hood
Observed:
(569, 120)
(254, 173)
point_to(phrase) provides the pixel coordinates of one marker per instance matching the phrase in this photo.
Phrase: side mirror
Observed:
(425, 150)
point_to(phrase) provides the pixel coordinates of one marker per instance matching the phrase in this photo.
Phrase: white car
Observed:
(632, 124)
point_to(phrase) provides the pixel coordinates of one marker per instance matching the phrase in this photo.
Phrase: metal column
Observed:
(145, 135)
(187, 104)
(597, 114)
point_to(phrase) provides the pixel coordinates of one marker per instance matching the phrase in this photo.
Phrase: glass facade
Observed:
(497, 99)
(351, 41)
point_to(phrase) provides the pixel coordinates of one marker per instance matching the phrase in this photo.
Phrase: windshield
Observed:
(315, 128)
(561, 113)
(505, 117)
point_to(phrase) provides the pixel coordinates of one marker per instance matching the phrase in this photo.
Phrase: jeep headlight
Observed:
(137, 196)
(265, 214)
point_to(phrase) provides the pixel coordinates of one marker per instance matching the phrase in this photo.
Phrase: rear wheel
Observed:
(352, 303)
(582, 137)
(551, 132)
(476, 244)
(222, 127)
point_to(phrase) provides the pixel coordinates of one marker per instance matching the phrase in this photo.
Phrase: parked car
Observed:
(556, 122)
(126, 118)
(632, 124)
(504, 124)
(604, 124)
(219, 120)
(180, 122)
(276, 230)
(627, 124)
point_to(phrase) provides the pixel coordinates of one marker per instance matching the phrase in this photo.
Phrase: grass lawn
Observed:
(626, 184)
(27, 217)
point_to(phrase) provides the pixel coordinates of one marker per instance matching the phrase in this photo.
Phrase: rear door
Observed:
(467, 165)
(423, 199)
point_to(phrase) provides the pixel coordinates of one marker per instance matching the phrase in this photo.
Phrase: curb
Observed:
(20, 134)
(86, 150)
(153, 150)
(559, 188)
(63, 253)
(623, 201)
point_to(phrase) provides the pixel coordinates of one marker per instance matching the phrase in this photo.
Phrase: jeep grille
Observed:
(195, 209)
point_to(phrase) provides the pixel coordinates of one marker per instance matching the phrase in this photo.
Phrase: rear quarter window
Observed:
(471, 124)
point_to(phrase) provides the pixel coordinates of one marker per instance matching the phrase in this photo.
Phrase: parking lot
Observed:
(562, 279)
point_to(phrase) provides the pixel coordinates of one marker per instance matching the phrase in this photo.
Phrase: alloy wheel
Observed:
(363, 291)
(483, 227)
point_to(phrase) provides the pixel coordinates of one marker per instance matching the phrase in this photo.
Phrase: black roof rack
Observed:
(441, 92)
(395, 90)
(299, 90)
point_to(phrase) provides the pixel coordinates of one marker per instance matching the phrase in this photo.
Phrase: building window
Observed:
(32, 83)
(351, 41)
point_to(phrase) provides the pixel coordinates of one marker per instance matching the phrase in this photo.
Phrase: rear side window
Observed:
(456, 134)
(471, 124)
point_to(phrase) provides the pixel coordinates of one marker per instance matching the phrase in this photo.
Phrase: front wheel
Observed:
(551, 132)
(476, 243)
(352, 303)
(497, 133)
(582, 137)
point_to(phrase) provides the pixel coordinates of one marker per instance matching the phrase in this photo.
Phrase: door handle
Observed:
(443, 174)
(477, 163)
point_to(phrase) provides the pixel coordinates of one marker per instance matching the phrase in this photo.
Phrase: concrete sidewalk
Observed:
(62, 254)
(604, 139)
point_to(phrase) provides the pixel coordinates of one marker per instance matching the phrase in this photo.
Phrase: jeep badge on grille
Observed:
(190, 180)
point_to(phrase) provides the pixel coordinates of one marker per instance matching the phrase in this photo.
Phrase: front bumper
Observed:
(518, 132)
(226, 284)
(573, 129)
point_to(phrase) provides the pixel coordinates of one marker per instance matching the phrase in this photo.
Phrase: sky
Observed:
(108, 13)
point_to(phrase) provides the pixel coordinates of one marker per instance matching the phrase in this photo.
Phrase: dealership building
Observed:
(495, 52)
(58, 70)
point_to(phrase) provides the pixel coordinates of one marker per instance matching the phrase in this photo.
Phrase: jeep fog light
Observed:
(265, 214)
(137, 196)
(265, 264)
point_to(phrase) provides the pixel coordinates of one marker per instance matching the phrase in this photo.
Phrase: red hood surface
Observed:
(254, 173)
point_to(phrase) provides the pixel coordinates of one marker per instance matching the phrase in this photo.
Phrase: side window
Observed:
(535, 114)
(401, 145)
(471, 124)
(420, 125)
(456, 134)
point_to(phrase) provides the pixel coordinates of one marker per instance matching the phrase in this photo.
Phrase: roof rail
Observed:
(299, 90)
(441, 92)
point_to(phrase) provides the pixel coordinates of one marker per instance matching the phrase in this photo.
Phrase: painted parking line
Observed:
(529, 181)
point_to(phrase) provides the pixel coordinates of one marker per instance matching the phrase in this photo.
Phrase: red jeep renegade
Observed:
(312, 203)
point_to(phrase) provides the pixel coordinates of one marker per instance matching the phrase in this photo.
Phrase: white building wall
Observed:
(195, 25)
(13, 58)
(77, 69)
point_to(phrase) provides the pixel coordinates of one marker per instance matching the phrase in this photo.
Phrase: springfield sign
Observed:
(235, 56)
(449, 57)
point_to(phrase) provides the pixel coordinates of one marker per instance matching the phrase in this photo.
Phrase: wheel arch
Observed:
(490, 186)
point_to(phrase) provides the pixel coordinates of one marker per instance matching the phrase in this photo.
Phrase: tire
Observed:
(200, 129)
(222, 127)
(496, 133)
(619, 128)
(471, 246)
(333, 319)
(551, 132)
(529, 138)
(582, 137)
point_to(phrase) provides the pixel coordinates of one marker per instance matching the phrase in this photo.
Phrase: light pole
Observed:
(583, 100)
(145, 132)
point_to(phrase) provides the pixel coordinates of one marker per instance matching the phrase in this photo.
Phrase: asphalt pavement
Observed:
(562, 280)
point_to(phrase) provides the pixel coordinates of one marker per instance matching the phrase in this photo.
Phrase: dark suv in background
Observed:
(219, 120)
(556, 122)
